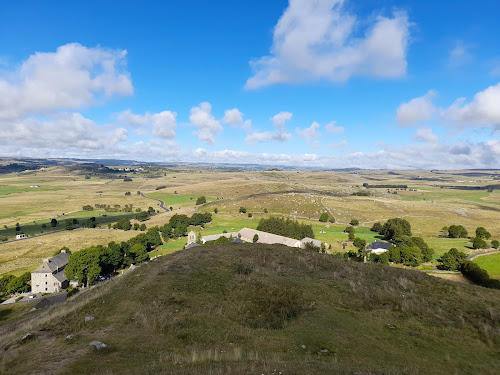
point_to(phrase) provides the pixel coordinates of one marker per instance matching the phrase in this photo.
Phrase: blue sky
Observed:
(323, 83)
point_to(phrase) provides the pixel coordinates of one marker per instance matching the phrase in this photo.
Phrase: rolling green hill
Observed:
(260, 309)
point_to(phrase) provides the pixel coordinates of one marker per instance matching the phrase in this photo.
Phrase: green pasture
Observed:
(6, 190)
(176, 199)
(443, 245)
(32, 228)
(490, 263)
(433, 193)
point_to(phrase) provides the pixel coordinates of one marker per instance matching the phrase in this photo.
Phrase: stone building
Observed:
(50, 277)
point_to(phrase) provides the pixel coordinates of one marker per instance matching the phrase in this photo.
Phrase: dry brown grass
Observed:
(26, 255)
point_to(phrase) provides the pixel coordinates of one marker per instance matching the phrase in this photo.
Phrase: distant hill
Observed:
(261, 309)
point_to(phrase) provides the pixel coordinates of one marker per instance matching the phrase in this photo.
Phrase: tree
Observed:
(482, 233)
(19, 284)
(151, 210)
(53, 223)
(411, 256)
(265, 210)
(69, 225)
(243, 210)
(396, 227)
(324, 217)
(201, 200)
(354, 222)
(351, 236)
(495, 244)
(255, 238)
(138, 254)
(18, 227)
(136, 226)
(142, 227)
(457, 231)
(142, 216)
(85, 265)
(479, 243)
(250, 214)
(452, 260)
(377, 227)
(123, 224)
(350, 230)
(216, 210)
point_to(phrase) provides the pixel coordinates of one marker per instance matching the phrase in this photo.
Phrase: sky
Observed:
(311, 83)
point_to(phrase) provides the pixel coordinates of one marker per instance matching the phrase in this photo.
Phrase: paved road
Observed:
(162, 203)
(472, 257)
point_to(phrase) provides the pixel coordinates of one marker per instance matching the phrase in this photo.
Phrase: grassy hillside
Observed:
(260, 309)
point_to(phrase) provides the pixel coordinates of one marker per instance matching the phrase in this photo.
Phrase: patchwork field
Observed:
(431, 201)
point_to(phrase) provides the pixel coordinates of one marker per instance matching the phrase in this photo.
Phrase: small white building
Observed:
(378, 247)
(50, 277)
(20, 236)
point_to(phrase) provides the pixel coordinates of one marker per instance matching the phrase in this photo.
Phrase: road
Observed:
(162, 203)
(472, 257)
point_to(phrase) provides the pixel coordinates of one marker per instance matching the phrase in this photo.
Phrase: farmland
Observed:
(430, 202)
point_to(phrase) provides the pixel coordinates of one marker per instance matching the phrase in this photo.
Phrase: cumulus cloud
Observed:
(280, 133)
(233, 117)
(482, 111)
(202, 118)
(60, 131)
(315, 40)
(128, 118)
(425, 135)
(310, 134)
(331, 128)
(72, 77)
(164, 124)
(416, 110)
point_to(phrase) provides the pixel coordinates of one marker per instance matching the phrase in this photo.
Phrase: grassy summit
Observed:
(261, 309)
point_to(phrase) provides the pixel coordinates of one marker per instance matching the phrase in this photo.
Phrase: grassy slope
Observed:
(192, 313)
(490, 263)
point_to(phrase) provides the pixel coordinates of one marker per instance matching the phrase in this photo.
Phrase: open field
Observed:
(26, 255)
(490, 263)
(428, 204)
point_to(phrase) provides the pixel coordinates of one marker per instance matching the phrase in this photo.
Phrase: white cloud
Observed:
(416, 110)
(202, 118)
(233, 117)
(71, 78)
(331, 128)
(316, 40)
(309, 133)
(62, 131)
(128, 118)
(425, 135)
(280, 133)
(164, 124)
(483, 110)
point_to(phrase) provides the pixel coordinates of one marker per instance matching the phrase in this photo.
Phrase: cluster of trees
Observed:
(410, 251)
(123, 224)
(88, 207)
(285, 227)
(368, 186)
(457, 231)
(109, 208)
(455, 260)
(201, 200)
(407, 250)
(178, 224)
(323, 218)
(88, 264)
(10, 284)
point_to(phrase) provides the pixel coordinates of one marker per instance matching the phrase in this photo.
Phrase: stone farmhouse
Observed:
(50, 277)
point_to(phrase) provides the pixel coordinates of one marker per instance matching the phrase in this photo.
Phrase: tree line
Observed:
(86, 265)
(285, 227)
(178, 224)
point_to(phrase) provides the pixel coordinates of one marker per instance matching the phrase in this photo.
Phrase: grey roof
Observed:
(55, 263)
(312, 241)
(214, 237)
(192, 244)
(238, 240)
(60, 276)
(378, 245)
(267, 238)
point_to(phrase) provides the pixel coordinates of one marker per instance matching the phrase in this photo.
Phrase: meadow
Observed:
(490, 263)
(429, 203)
